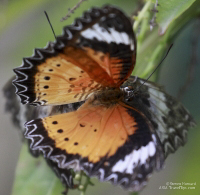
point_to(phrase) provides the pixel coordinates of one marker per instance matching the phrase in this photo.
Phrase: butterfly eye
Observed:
(127, 90)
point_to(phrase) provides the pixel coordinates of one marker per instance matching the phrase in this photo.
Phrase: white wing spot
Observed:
(102, 34)
(91, 34)
(129, 163)
(125, 38)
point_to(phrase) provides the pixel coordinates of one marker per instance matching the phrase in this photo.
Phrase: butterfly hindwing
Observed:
(170, 119)
(97, 51)
(117, 145)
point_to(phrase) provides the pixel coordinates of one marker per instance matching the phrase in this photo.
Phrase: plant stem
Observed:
(141, 15)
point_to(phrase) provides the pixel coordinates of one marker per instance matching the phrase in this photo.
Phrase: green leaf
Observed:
(33, 176)
(152, 47)
(169, 10)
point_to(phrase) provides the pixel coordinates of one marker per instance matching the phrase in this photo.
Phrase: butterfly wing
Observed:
(107, 37)
(170, 119)
(22, 113)
(115, 143)
(97, 51)
(52, 79)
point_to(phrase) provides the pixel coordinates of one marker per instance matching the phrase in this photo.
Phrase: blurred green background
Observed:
(23, 27)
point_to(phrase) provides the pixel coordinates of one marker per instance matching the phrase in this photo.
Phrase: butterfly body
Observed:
(125, 128)
(108, 96)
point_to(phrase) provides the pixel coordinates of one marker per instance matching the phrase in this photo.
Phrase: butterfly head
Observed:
(128, 93)
(129, 89)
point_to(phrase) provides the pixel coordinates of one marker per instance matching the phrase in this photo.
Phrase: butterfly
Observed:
(125, 127)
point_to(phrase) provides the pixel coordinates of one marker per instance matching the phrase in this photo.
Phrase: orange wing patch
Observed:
(91, 131)
(58, 81)
(79, 58)
(112, 66)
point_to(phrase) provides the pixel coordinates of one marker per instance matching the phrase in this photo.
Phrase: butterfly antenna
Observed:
(155, 68)
(50, 24)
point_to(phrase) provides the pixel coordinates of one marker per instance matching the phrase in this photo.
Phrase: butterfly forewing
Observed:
(107, 37)
(97, 51)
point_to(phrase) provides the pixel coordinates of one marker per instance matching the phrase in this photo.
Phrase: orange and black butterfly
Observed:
(123, 130)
